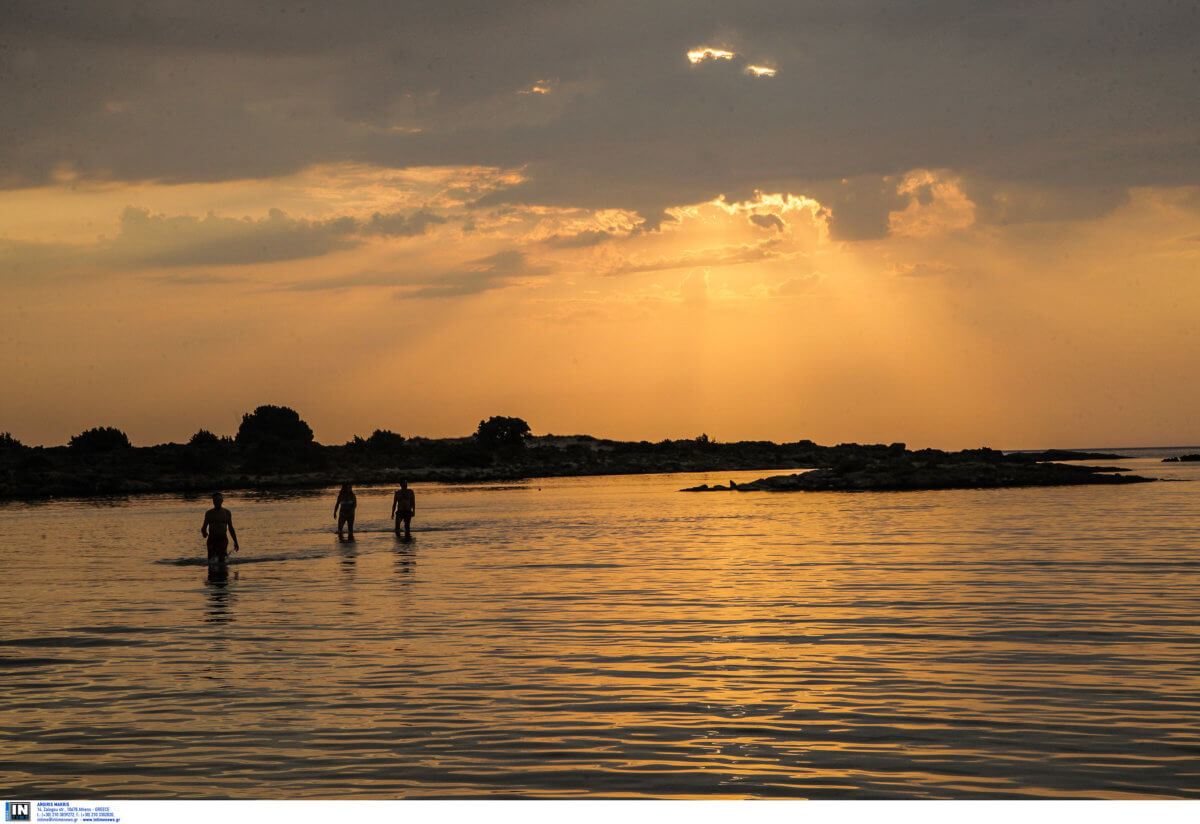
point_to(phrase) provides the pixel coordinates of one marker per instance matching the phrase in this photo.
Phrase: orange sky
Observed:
(741, 320)
(756, 274)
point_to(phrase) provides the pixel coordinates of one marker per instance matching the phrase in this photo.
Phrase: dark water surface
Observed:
(614, 637)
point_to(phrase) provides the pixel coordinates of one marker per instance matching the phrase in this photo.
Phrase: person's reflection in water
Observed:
(348, 553)
(406, 558)
(219, 595)
(347, 579)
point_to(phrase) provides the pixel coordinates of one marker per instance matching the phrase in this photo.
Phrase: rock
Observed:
(931, 469)
(1065, 455)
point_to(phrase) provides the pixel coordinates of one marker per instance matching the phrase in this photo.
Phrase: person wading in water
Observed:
(347, 502)
(216, 521)
(404, 506)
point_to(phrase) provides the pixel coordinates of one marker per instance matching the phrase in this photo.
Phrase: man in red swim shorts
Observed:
(216, 521)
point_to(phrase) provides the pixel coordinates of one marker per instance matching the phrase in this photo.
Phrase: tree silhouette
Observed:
(7, 441)
(499, 430)
(275, 426)
(100, 439)
(384, 440)
(204, 438)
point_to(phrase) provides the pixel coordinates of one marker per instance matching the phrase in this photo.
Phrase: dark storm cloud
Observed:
(861, 204)
(1070, 96)
(1004, 203)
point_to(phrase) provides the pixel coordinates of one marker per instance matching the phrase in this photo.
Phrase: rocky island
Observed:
(902, 469)
(1067, 455)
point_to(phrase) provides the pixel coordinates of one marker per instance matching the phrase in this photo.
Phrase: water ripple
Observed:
(611, 637)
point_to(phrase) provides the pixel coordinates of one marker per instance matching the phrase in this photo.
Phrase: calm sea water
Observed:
(610, 637)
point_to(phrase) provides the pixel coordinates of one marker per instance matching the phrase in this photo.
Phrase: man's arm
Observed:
(395, 500)
(233, 534)
(204, 527)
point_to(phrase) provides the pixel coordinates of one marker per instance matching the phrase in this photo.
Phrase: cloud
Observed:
(699, 55)
(760, 71)
(796, 286)
(588, 237)
(719, 256)
(354, 280)
(936, 204)
(924, 269)
(147, 240)
(540, 87)
(397, 224)
(1047, 96)
(193, 279)
(768, 221)
(1003, 203)
(483, 275)
(497, 271)
(860, 206)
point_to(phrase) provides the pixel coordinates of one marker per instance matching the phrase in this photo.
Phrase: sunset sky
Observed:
(944, 223)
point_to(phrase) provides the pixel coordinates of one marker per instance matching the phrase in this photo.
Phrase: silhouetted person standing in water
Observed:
(216, 521)
(404, 506)
(343, 510)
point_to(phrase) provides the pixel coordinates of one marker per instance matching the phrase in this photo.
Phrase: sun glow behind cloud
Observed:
(540, 87)
(712, 53)
(699, 55)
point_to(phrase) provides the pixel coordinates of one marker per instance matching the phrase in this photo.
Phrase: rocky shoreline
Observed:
(933, 469)
(33, 473)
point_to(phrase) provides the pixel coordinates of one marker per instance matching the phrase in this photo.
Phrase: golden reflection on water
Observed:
(611, 636)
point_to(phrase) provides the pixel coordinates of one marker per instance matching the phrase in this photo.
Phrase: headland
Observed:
(899, 469)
